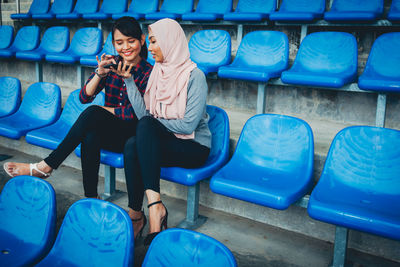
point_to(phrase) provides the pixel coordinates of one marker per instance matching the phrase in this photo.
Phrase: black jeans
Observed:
(96, 128)
(153, 147)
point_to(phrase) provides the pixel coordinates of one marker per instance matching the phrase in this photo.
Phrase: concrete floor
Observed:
(252, 243)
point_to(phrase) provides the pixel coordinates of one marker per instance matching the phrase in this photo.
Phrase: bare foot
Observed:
(41, 169)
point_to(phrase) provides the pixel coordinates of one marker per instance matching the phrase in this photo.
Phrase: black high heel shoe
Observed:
(144, 224)
(164, 224)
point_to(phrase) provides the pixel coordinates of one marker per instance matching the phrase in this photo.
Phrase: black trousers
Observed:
(153, 147)
(96, 128)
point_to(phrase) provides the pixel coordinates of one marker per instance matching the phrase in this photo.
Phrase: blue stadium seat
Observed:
(251, 10)
(299, 10)
(6, 36)
(150, 58)
(93, 233)
(37, 7)
(51, 136)
(40, 106)
(138, 9)
(326, 59)
(381, 72)
(27, 39)
(359, 187)
(355, 10)
(81, 7)
(58, 7)
(107, 8)
(209, 10)
(10, 95)
(210, 49)
(86, 42)
(108, 49)
(394, 12)
(55, 40)
(172, 9)
(262, 55)
(272, 165)
(28, 221)
(181, 247)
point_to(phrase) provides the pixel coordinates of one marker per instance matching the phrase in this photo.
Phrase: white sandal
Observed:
(32, 167)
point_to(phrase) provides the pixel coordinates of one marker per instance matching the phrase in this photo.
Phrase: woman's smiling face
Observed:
(127, 47)
(154, 48)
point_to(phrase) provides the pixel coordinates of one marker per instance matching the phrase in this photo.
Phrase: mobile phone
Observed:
(115, 66)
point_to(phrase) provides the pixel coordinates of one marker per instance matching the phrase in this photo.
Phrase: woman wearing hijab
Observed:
(173, 123)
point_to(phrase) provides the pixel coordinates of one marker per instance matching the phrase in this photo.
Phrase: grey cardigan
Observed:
(195, 118)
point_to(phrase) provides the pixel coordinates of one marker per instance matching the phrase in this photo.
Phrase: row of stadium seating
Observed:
(272, 164)
(93, 233)
(210, 10)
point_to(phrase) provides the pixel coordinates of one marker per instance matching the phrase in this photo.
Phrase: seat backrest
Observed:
(395, 6)
(365, 159)
(384, 57)
(55, 39)
(87, 41)
(27, 38)
(86, 6)
(28, 201)
(278, 143)
(39, 7)
(143, 6)
(177, 6)
(93, 233)
(212, 6)
(42, 101)
(218, 124)
(62, 6)
(114, 6)
(108, 46)
(10, 95)
(328, 52)
(314, 6)
(256, 6)
(73, 107)
(181, 247)
(266, 49)
(210, 47)
(6, 36)
(375, 6)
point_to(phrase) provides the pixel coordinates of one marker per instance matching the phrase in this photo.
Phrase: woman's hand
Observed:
(104, 60)
(123, 70)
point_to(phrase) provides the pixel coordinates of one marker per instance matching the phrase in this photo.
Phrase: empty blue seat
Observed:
(272, 165)
(381, 72)
(10, 95)
(251, 10)
(27, 39)
(359, 187)
(355, 10)
(108, 7)
(37, 7)
(210, 49)
(326, 59)
(93, 233)
(86, 42)
(40, 106)
(108, 49)
(172, 9)
(28, 220)
(6, 36)
(58, 7)
(138, 9)
(299, 10)
(51, 136)
(262, 55)
(81, 7)
(209, 10)
(394, 12)
(55, 40)
(181, 247)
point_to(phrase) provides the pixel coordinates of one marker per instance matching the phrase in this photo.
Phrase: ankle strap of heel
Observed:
(154, 203)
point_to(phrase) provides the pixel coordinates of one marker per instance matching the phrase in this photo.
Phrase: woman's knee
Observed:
(130, 148)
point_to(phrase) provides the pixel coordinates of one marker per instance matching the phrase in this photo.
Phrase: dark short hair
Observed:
(129, 26)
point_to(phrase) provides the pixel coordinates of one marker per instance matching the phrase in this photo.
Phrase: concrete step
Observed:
(24, 7)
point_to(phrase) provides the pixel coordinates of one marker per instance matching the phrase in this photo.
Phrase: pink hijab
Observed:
(166, 91)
